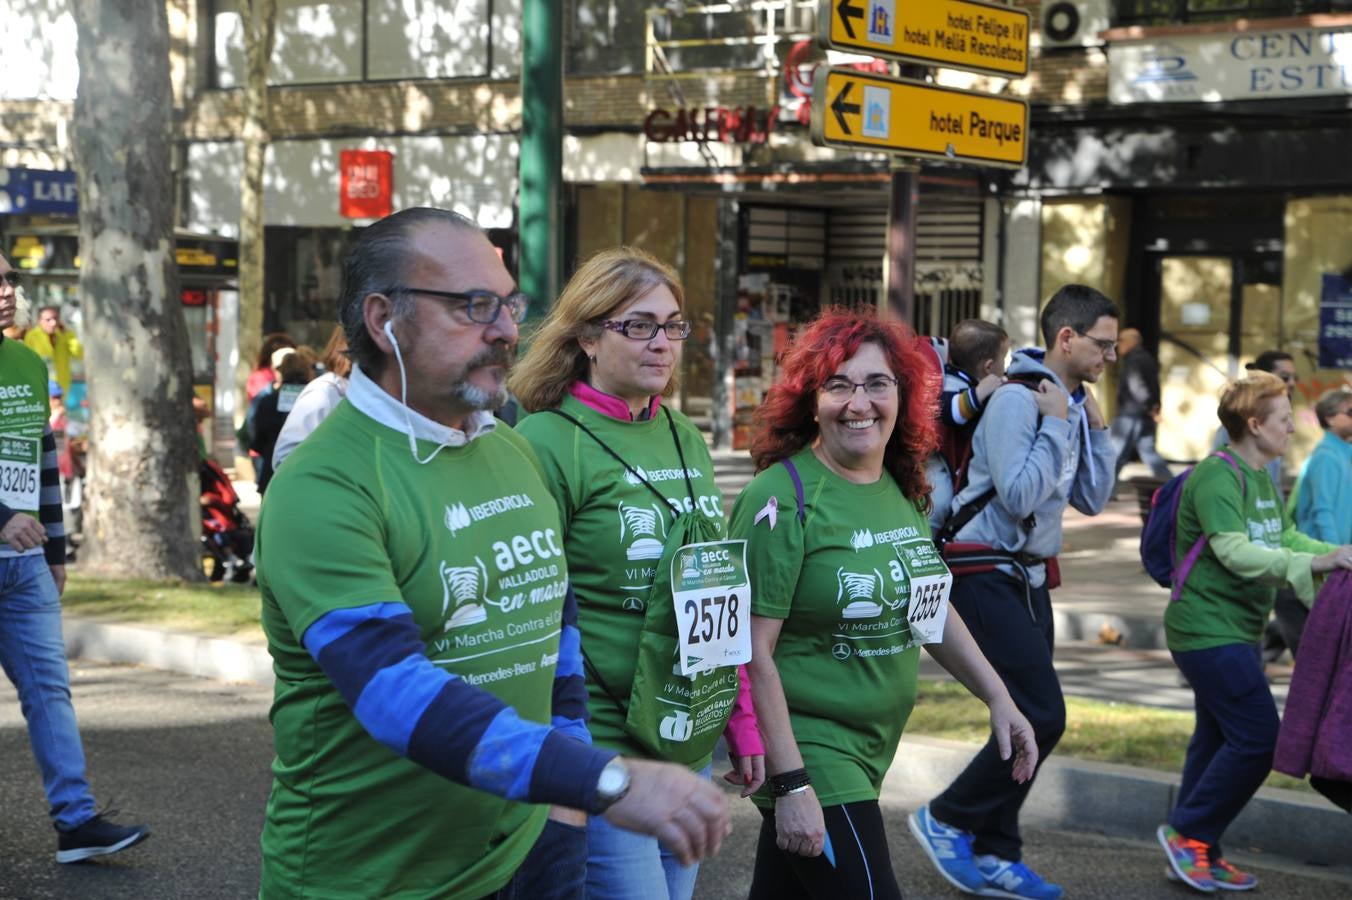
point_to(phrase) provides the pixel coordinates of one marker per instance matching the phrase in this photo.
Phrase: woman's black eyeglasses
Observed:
(12, 278)
(646, 329)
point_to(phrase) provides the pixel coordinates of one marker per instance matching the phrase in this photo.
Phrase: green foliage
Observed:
(1095, 730)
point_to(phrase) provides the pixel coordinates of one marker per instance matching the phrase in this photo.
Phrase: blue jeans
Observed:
(34, 657)
(555, 869)
(624, 865)
(1231, 748)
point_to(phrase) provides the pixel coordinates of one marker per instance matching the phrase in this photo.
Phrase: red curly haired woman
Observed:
(847, 587)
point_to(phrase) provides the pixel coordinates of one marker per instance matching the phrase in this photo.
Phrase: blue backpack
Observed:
(1159, 537)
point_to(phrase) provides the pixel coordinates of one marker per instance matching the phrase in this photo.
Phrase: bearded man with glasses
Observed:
(427, 714)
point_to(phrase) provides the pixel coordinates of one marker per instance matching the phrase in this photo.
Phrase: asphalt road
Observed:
(190, 758)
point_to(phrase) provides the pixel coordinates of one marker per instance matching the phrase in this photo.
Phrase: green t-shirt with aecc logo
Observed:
(471, 544)
(840, 584)
(24, 411)
(614, 531)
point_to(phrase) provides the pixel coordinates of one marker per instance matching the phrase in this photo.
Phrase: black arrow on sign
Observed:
(848, 12)
(840, 107)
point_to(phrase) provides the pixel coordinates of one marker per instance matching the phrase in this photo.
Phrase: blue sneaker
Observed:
(1014, 879)
(949, 849)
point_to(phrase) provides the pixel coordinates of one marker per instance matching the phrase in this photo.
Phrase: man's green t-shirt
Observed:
(839, 582)
(614, 531)
(471, 544)
(1216, 606)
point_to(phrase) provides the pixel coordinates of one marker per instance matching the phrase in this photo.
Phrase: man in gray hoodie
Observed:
(1041, 444)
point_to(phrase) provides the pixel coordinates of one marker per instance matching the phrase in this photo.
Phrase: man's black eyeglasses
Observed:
(1105, 346)
(646, 329)
(12, 278)
(482, 307)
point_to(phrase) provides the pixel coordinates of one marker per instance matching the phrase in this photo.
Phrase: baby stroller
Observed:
(227, 535)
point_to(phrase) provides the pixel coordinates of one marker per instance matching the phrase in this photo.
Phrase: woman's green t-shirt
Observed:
(614, 531)
(839, 582)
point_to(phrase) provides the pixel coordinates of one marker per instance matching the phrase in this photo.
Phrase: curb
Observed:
(1127, 802)
(1138, 632)
(189, 654)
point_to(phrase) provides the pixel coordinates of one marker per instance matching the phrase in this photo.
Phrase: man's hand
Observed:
(1013, 734)
(748, 773)
(1091, 409)
(686, 813)
(59, 576)
(986, 386)
(1051, 400)
(23, 533)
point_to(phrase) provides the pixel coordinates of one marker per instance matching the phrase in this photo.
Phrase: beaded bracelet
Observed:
(792, 782)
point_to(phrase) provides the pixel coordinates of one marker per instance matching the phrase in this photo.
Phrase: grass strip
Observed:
(1096, 730)
(220, 610)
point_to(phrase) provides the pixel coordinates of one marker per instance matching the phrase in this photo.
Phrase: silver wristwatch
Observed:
(611, 786)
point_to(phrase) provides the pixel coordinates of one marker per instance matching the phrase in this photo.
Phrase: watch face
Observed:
(613, 780)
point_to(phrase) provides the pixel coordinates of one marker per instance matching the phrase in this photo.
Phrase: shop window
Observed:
(1171, 12)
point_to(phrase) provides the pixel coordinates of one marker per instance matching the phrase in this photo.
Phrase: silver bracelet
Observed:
(797, 790)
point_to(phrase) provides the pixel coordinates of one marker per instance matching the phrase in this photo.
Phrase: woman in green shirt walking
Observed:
(847, 585)
(1232, 522)
(624, 467)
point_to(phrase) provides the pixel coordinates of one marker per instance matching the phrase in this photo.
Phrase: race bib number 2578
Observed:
(712, 595)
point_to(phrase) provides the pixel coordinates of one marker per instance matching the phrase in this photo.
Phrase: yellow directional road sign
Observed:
(873, 112)
(962, 34)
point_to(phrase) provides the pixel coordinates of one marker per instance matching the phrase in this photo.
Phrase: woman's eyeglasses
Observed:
(11, 278)
(875, 386)
(646, 329)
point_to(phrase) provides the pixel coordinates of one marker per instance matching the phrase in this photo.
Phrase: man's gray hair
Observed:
(377, 264)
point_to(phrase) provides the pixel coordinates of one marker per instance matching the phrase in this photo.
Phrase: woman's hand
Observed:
(799, 825)
(748, 773)
(1014, 735)
(1340, 558)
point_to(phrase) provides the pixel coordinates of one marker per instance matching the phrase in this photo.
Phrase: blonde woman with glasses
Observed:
(632, 477)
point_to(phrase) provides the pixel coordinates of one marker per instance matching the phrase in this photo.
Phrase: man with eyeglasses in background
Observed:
(1035, 451)
(429, 702)
(33, 575)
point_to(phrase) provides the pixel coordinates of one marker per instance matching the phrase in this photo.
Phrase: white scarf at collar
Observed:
(372, 400)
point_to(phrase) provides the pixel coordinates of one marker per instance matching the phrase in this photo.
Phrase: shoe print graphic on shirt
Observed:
(646, 527)
(463, 587)
(861, 593)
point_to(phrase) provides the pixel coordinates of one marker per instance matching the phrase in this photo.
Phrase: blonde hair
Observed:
(600, 288)
(1247, 399)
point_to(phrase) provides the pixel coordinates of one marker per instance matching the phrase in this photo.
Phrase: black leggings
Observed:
(863, 869)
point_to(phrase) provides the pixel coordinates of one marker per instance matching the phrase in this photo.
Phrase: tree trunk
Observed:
(259, 17)
(142, 515)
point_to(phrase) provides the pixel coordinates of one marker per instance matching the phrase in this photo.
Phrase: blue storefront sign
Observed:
(38, 192)
(1335, 323)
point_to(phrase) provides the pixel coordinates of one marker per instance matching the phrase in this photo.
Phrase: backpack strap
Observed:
(1195, 551)
(797, 489)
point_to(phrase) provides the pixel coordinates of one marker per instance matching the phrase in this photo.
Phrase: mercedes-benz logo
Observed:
(841, 651)
(633, 604)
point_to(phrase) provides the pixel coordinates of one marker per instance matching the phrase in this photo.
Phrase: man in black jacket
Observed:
(1138, 404)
